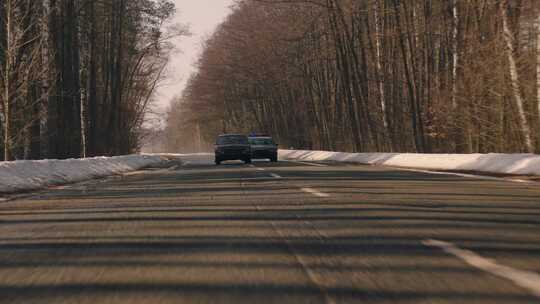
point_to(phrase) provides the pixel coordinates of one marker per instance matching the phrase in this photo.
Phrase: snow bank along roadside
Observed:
(519, 164)
(32, 175)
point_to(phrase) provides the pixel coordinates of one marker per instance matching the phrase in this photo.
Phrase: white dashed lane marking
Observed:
(525, 279)
(274, 175)
(315, 192)
(257, 168)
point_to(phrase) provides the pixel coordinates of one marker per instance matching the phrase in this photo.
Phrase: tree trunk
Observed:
(380, 72)
(54, 82)
(71, 80)
(34, 133)
(538, 81)
(92, 119)
(416, 119)
(7, 80)
(455, 55)
(516, 89)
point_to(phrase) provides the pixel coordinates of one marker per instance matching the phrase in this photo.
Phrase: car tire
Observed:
(218, 162)
(274, 159)
(247, 161)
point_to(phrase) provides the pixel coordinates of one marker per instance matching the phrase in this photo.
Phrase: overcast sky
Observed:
(202, 16)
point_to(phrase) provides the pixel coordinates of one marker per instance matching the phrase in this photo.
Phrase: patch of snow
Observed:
(185, 155)
(519, 164)
(32, 175)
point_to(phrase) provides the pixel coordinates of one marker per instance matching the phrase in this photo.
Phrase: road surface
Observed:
(273, 233)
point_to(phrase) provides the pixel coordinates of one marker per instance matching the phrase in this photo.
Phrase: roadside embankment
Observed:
(19, 176)
(508, 164)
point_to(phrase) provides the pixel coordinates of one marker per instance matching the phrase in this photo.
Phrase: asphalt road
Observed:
(273, 233)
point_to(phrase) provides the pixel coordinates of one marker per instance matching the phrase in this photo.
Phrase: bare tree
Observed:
(516, 89)
(21, 69)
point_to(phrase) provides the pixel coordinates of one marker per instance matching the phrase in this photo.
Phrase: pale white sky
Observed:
(202, 16)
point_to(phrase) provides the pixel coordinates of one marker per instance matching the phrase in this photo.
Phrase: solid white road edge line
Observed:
(467, 175)
(315, 192)
(275, 175)
(307, 163)
(484, 177)
(525, 279)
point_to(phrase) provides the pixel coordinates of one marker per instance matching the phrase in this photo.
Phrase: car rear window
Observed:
(261, 141)
(232, 140)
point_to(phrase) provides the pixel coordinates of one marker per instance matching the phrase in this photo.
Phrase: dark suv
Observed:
(263, 146)
(232, 147)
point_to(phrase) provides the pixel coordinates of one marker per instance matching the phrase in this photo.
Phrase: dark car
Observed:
(232, 147)
(263, 147)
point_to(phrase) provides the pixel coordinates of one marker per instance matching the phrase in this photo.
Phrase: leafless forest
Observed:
(370, 75)
(76, 76)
